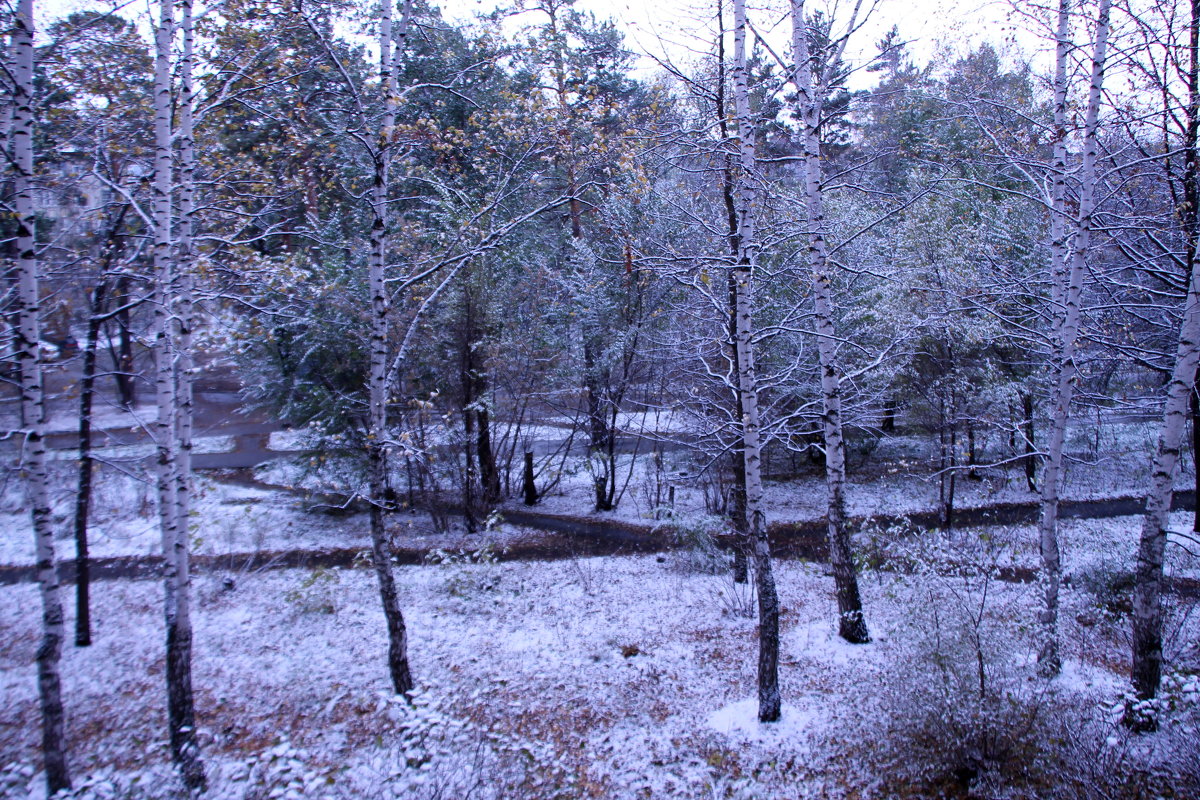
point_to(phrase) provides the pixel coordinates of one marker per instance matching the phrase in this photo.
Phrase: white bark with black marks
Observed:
(809, 98)
(377, 433)
(769, 701)
(33, 408)
(167, 344)
(1148, 571)
(1066, 334)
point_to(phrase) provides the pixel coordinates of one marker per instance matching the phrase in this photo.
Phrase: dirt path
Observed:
(565, 537)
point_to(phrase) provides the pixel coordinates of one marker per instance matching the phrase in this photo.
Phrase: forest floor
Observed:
(610, 677)
(620, 676)
(269, 507)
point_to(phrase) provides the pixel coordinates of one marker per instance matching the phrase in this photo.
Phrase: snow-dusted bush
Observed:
(1108, 584)
(694, 547)
(154, 782)
(425, 751)
(469, 572)
(733, 598)
(968, 714)
(15, 779)
(281, 772)
(1101, 758)
(315, 593)
(965, 704)
(441, 756)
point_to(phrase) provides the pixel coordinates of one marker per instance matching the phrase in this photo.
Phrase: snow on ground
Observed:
(603, 677)
(739, 720)
(237, 515)
(899, 477)
(106, 416)
(135, 452)
(228, 518)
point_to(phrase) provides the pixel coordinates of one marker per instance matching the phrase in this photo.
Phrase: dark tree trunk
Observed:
(83, 495)
(952, 478)
(53, 717)
(468, 494)
(737, 494)
(852, 625)
(1196, 451)
(381, 552)
(530, 490)
(123, 361)
(972, 455)
(1013, 425)
(489, 474)
(888, 423)
(737, 501)
(467, 407)
(185, 749)
(600, 435)
(770, 703)
(1030, 460)
(474, 379)
(87, 387)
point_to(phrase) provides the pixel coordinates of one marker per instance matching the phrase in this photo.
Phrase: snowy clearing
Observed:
(602, 677)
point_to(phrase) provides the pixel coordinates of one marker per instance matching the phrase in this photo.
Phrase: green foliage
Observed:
(315, 593)
(694, 543)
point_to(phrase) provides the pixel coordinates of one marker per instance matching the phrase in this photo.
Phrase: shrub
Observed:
(314, 594)
(965, 705)
(694, 547)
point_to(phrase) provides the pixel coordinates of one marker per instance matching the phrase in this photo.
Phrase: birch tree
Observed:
(810, 90)
(33, 409)
(1148, 608)
(728, 164)
(377, 436)
(172, 397)
(1067, 293)
(769, 701)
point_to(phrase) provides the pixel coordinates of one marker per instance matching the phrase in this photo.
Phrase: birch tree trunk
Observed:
(398, 666)
(33, 408)
(1147, 593)
(1058, 159)
(737, 493)
(1147, 596)
(756, 519)
(183, 316)
(181, 721)
(1067, 328)
(851, 625)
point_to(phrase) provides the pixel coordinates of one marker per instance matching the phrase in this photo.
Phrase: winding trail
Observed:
(567, 537)
(220, 414)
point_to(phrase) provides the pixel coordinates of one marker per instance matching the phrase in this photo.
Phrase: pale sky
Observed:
(674, 27)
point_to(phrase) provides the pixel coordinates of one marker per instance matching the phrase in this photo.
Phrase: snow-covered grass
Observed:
(228, 518)
(619, 677)
(63, 415)
(231, 516)
(900, 476)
